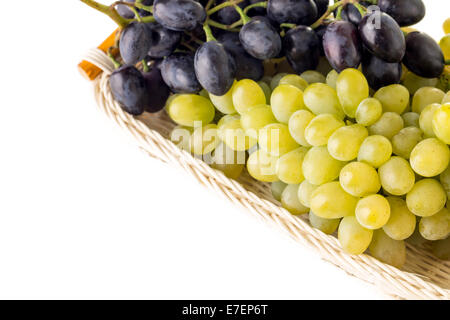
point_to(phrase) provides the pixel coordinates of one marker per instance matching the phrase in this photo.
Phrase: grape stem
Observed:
(223, 5)
(288, 25)
(110, 11)
(339, 13)
(144, 65)
(255, 5)
(208, 32)
(244, 18)
(112, 58)
(361, 9)
(230, 27)
(327, 13)
(141, 6)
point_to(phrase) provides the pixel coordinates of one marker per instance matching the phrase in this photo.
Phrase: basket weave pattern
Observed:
(422, 277)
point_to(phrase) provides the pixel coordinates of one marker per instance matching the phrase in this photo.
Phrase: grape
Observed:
(351, 13)
(373, 212)
(276, 140)
(426, 96)
(303, 12)
(229, 15)
(312, 76)
(135, 41)
(389, 124)
(393, 98)
(267, 91)
(276, 80)
(396, 176)
(297, 125)
(305, 190)
(321, 99)
(344, 143)
(187, 109)
(261, 166)
(411, 119)
(430, 157)
(126, 13)
(416, 238)
(445, 46)
(330, 201)
(247, 94)
(277, 188)
(359, 179)
(179, 15)
(302, 48)
(257, 11)
(128, 87)
(327, 226)
(289, 166)
(260, 39)
(405, 141)
(234, 136)
(322, 6)
(405, 12)
(375, 150)
(256, 118)
(446, 98)
(285, 100)
(387, 250)
(351, 88)
(290, 202)
(223, 103)
(319, 167)
(426, 119)
(342, 45)
(423, 55)
(204, 139)
(386, 42)
(295, 81)
(230, 162)
(413, 82)
(441, 248)
(368, 112)
(321, 128)
(426, 198)
(223, 120)
(178, 73)
(332, 78)
(165, 41)
(181, 137)
(436, 227)
(157, 91)
(440, 123)
(402, 222)
(445, 180)
(353, 238)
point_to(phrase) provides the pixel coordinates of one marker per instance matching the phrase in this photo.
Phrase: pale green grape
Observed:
(430, 157)
(396, 176)
(246, 94)
(276, 139)
(445, 46)
(289, 166)
(405, 141)
(229, 161)
(190, 110)
(441, 123)
(426, 119)
(256, 118)
(446, 98)
(359, 179)
(204, 93)
(261, 166)
(368, 111)
(411, 119)
(388, 250)
(402, 222)
(389, 124)
(321, 98)
(351, 88)
(375, 150)
(234, 136)
(321, 128)
(294, 80)
(426, 96)
(285, 100)
(289, 200)
(320, 167)
(393, 98)
(353, 238)
(344, 143)
(266, 88)
(224, 103)
(436, 227)
(330, 201)
(373, 212)
(327, 226)
(204, 139)
(445, 180)
(276, 80)
(312, 76)
(441, 249)
(416, 238)
(181, 137)
(305, 190)
(413, 82)
(277, 188)
(297, 125)
(331, 79)
(426, 198)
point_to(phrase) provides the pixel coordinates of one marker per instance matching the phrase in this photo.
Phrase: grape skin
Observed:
(330, 201)
(426, 120)
(246, 94)
(402, 222)
(389, 124)
(327, 226)
(261, 166)
(393, 98)
(320, 167)
(368, 112)
(351, 88)
(430, 157)
(289, 166)
(277, 188)
(321, 128)
(285, 100)
(426, 198)
(359, 179)
(411, 119)
(436, 227)
(375, 150)
(388, 250)
(396, 176)
(440, 123)
(353, 238)
(305, 190)
(373, 211)
(320, 98)
(404, 142)
(426, 96)
(345, 142)
(289, 200)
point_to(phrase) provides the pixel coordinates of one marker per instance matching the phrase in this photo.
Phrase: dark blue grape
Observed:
(135, 41)
(179, 15)
(302, 48)
(405, 12)
(128, 87)
(164, 41)
(320, 31)
(257, 11)
(292, 11)
(351, 13)
(380, 73)
(229, 15)
(322, 6)
(178, 73)
(215, 68)
(125, 12)
(157, 91)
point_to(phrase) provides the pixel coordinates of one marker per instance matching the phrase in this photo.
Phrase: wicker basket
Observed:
(423, 276)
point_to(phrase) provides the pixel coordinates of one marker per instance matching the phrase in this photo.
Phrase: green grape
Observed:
(441, 123)
(294, 80)
(229, 161)
(436, 227)
(375, 150)
(234, 136)
(267, 79)
(405, 141)
(330, 201)
(277, 188)
(402, 222)
(446, 26)
(426, 198)
(320, 167)
(305, 190)
(359, 179)
(344, 143)
(204, 93)
(351, 88)
(256, 118)
(368, 111)
(181, 137)
(373, 212)
(312, 76)
(353, 238)
(331, 79)
(266, 88)
(224, 103)
(430, 157)
(261, 166)
(396, 176)
(387, 250)
(190, 110)
(321, 98)
(289, 200)
(416, 238)
(276, 80)
(413, 82)
(289, 166)
(426, 120)
(441, 249)
(411, 119)
(389, 124)
(327, 226)
(246, 94)
(321, 128)
(426, 96)
(445, 180)
(446, 98)
(276, 139)
(285, 100)
(204, 139)
(445, 46)
(393, 98)
(297, 125)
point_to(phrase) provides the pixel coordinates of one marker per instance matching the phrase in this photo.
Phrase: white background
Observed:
(85, 214)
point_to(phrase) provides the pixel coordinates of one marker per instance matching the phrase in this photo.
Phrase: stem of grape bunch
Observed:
(329, 11)
(255, 5)
(208, 32)
(244, 17)
(223, 5)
